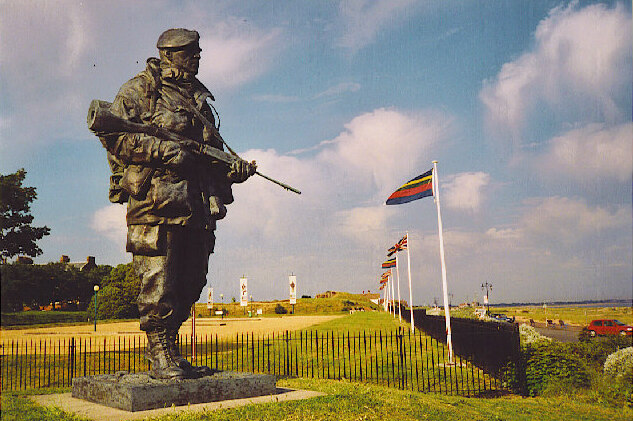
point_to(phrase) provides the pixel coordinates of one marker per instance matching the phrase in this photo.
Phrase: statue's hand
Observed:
(240, 170)
(175, 156)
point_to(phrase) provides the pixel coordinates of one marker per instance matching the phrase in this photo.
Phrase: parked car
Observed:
(502, 317)
(609, 327)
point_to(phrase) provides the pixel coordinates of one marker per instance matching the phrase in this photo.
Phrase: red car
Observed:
(609, 327)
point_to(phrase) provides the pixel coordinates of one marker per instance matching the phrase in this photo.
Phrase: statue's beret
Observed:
(177, 38)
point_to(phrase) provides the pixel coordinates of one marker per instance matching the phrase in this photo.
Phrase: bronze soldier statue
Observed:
(174, 196)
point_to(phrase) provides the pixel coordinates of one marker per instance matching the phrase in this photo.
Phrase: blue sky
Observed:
(526, 106)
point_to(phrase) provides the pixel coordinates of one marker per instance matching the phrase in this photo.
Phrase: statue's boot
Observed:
(163, 364)
(191, 370)
(175, 350)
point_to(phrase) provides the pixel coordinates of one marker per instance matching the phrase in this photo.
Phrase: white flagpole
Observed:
(384, 296)
(388, 304)
(398, 275)
(447, 314)
(388, 294)
(410, 293)
(393, 304)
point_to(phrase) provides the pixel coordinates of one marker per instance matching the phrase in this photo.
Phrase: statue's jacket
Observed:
(194, 196)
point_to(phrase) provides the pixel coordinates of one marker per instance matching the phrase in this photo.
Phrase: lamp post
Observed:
(96, 288)
(251, 305)
(487, 287)
(222, 298)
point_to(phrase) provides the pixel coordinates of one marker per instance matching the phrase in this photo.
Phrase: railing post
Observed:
(71, 360)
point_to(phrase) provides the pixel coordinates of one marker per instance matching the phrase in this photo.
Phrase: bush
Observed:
(529, 335)
(619, 365)
(547, 366)
(279, 309)
(596, 351)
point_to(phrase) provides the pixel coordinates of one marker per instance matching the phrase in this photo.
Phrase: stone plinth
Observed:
(139, 392)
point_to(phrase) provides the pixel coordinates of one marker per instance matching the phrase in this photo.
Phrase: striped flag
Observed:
(391, 263)
(399, 246)
(421, 186)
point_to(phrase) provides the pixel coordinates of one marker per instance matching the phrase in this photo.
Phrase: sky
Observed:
(526, 106)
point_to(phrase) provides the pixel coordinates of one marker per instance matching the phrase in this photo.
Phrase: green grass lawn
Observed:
(570, 315)
(356, 401)
(363, 401)
(31, 318)
(340, 303)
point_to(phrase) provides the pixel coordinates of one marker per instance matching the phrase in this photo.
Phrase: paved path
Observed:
(98, 412)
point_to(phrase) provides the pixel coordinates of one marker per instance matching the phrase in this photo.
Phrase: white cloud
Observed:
(375, 153)
(379, 150)
(464, 191)
(579, 67)
(590, 153)
(365, 223)
(340, 219)
(363, 20)
(557, 248)
(110, 222)
(339, 89)
(275, 98)
(236, 52)
(561, 220)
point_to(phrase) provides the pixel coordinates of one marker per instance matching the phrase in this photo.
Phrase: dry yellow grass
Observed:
(113, 332)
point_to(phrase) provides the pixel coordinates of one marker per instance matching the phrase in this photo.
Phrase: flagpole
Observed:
(447, 314)
(388, 304)
(410, 293)
(393, 304)
(399, 302)
(384, 297)
(383, 294)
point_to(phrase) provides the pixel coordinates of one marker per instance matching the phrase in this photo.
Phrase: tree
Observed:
(117, 296)
(17, 236)
(39, 285)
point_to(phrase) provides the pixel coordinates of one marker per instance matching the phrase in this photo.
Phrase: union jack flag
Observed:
(399, 246)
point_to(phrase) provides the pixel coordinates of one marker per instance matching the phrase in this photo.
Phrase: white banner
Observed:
(243, 292)
(292, 281)
(485, 299)
(210, 298)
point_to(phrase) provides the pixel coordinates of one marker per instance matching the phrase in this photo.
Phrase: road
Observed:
(561, 334)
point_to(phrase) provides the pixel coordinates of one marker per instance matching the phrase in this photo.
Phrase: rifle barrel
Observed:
(101, 119)
(279, 183)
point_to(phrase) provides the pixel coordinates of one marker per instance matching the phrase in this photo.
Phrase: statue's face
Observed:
(187, 59)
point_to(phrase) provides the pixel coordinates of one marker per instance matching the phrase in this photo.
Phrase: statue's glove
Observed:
(176, 156)
(240, 170)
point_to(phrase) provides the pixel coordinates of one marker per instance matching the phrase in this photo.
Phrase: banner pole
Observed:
(447, 314)
(410, 292)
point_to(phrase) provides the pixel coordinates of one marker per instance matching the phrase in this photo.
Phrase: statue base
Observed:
(140, 392)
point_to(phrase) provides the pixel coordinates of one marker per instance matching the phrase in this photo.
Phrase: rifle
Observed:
(101, 121)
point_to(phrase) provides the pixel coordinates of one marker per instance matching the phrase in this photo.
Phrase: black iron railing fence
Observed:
(489, 345)
(398, 358)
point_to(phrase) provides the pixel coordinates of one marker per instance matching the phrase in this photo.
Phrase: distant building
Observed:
(326, 294)
(89, 264)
